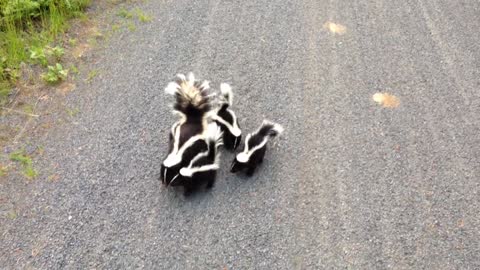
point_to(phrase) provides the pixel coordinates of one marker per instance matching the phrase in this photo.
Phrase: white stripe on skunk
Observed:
(188, 135)
(227, 119)
(255, 147)
(203, 167)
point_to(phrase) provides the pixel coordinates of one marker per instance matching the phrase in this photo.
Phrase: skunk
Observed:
(179, 157)
(255, 147)
(187, 136)
(203, 167)
(226, 118)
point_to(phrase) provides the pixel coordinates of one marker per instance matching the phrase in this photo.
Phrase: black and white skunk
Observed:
(202, 169)
(187, 136)
(179, 157)
(255, 147)
(226, 118)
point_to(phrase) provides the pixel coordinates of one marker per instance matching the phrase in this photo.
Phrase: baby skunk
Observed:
(187, 136)
(226, 118)
(203, 167)
(255, 147)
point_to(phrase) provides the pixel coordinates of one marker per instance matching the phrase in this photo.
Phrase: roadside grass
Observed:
(129, 14)
(35, 50)
(91, 75)
(25, 161)
(27, 27)
(142, 16)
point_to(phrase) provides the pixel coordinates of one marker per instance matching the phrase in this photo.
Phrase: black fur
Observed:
(192, 104)
(255, 160)
(225, 115)
(197, 179)
(189, 153)
(250, 161)
(231, 142)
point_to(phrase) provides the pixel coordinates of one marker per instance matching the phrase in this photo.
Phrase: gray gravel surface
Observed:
(349, 185)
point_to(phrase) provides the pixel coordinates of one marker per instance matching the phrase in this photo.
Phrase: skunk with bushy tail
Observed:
(255, 147)
(187, 136)
(227, 119)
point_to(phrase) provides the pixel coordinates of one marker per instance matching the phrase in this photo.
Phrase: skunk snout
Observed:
(237, 141)
(230, 141)
(236, 166)
(177, 180)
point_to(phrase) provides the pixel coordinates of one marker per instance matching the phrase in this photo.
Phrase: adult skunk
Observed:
(179, 157)
(203, 167)
(255, 147)
(187, 136)
(226, 118)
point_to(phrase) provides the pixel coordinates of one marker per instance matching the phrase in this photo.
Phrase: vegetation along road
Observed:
(378, 167)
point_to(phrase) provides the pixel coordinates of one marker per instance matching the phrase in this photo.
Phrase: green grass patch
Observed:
(73, 112)
(124, 13)
(131, 26)
(92, 74)
(20, 156)
(12, 214)
(26, 28)
(142, 16)
(25, 161)
(3, 170)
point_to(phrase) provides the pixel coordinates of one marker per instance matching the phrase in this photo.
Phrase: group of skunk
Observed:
(205, 123)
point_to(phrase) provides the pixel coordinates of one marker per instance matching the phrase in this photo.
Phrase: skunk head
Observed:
(180, 156)
(204, 162)
(255, 146)
(238, 165)
(242, 159)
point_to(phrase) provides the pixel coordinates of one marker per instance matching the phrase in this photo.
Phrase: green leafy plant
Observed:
(26, 26)
(56, 52)
(37, 55)
(16, 10)
(55, 74)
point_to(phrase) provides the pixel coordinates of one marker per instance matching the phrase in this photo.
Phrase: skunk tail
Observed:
(269, 128)
(191, 96)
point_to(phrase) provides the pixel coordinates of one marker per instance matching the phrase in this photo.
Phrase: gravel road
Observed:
(351, 184)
